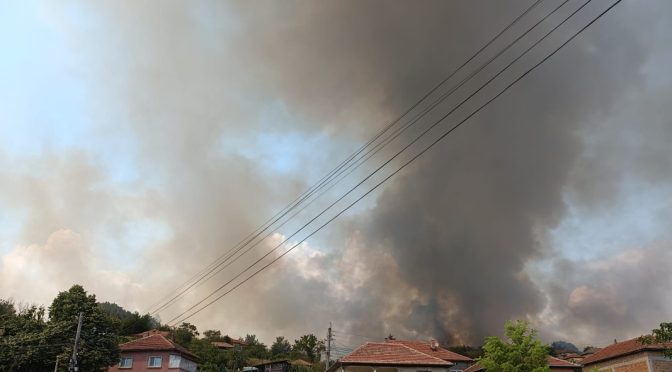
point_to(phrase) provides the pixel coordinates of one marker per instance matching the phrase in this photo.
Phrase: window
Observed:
(188, 365)
(154, 362)
(174, 361)
(126, 362)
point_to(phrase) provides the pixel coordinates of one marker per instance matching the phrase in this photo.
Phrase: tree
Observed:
(98, 348)
(466, 350)
(212, 359)
(212, 335)
(662, 335)
(255, 348)
(522, 353)
(7, 309)
(128, 323)
(280, 348)
(185, 333)
(23, 343)
(309, 347)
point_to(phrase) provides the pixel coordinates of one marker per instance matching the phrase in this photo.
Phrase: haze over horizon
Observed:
(140, 142)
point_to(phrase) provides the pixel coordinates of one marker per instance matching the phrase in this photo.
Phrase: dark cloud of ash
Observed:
(464, 222)
(444, 252)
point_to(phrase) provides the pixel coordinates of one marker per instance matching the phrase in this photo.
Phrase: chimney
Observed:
(434, 344)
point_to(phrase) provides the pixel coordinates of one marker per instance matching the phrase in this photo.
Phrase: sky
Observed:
(139, 141)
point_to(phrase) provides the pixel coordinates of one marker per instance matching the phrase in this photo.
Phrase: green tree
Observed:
(466, 350)
(98, 348)
(7, 309)
(185, 333)
(23, 346)
(522, 352)
(128, 323)
(281, 348)
(661, 335)
(308, 347)
(212, 359)
(255, 348)
(212, 335)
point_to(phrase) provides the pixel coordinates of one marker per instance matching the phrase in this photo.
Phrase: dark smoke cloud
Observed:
(446, 250)
(462, 224)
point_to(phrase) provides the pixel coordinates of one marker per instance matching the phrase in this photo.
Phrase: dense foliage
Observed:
(660, 335)
(128, 323)
(307, 348)
(30, 342)
(522, 352)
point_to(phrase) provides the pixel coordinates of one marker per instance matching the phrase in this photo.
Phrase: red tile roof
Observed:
(552, 362)
(381, 353)
(426, 347)
(623, 348)
(155, 342)
(559, 363)
(222, 345)
(152, 332)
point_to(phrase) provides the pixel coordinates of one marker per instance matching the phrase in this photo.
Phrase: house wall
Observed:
(660, 363)
(640, 362)
(141, 361)
(459, 366)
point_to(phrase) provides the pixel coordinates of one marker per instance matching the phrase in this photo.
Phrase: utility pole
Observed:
(329, 338)
(73, 360)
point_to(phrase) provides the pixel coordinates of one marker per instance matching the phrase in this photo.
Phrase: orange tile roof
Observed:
(222, 345)
(426, 347)
(623, 348)
(155, 342)
(382, 353)
(552, 362)
(559, 363)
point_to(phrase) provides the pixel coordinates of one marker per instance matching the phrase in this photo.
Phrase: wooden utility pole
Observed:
(73, 360)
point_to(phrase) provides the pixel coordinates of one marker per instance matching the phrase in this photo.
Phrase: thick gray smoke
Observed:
(453, 246)
(462, 225)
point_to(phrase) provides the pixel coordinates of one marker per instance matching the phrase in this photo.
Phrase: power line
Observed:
(421, 152)
(379, 168)
(337, 171)
(337, 333)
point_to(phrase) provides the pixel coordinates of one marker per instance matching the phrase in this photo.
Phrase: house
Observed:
(284, 365)
(222, 345)
(631, 356)
(556, 365)
(229, 343)
(239, 342)
(389, 357)
(572, 357)
(155, 352)
(431, 347)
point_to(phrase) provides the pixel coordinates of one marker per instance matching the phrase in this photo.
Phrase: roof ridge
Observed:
(372, 348)
(612, 351)
(144, 338)
(440, 350)
(420, 352)
(563, 360)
